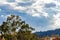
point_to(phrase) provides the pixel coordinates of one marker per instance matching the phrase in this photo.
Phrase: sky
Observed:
(43, 15)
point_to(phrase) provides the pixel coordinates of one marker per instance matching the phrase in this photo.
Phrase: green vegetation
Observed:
(16, 29)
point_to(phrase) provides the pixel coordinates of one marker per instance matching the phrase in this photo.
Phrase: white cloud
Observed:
(19, 0)
(55, 22)
(34, 15)
(5, 16)
(20, 8)
(37, 9)
(57, 3)
(2, 16)
(48, 1)
(25, 0)
(45, 14)
(56, 16)
(2, 0)
(13, 4)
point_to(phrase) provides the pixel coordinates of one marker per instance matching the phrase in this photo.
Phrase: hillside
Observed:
(48, 33)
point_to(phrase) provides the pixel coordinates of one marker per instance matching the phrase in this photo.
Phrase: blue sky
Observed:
(43, 15)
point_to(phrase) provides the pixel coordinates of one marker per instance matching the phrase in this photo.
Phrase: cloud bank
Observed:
(44, 13)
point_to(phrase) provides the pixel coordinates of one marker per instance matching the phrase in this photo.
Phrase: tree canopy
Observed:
(16, 29)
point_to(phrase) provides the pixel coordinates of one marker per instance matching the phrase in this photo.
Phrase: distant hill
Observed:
(49, 33)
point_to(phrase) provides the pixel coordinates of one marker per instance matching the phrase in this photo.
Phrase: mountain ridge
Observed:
(48, 33)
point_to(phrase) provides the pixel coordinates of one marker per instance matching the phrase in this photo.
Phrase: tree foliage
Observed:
(16, 29)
